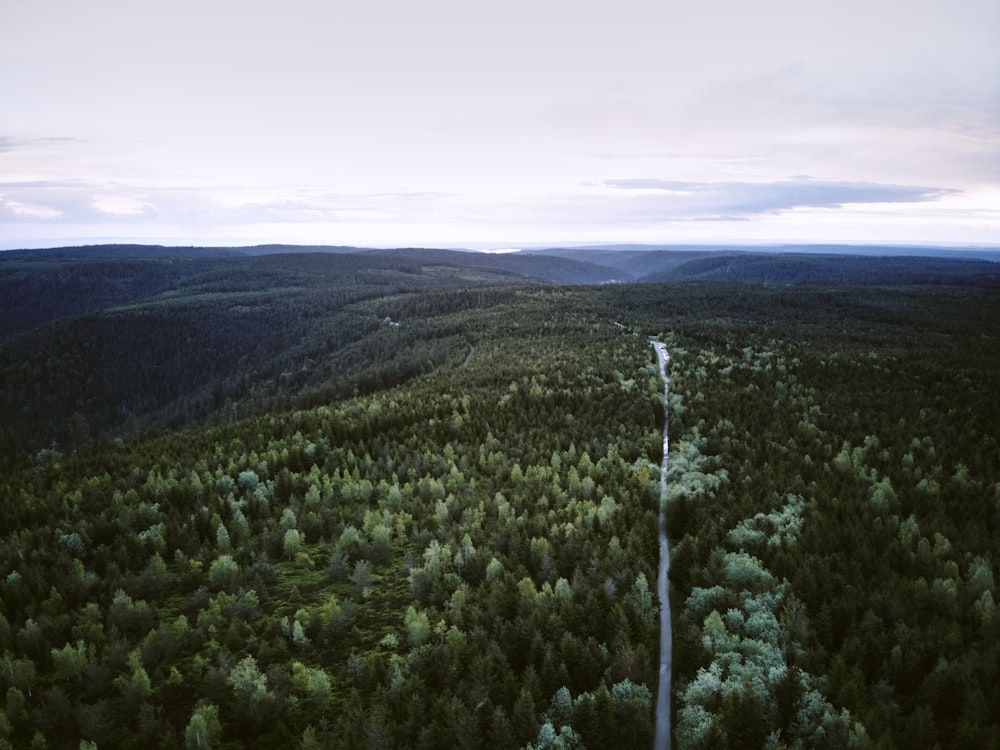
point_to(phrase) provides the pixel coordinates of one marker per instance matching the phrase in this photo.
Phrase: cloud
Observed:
(74, 202)
(712, 199)
(28, 211)
(11, 143)
(636, 209)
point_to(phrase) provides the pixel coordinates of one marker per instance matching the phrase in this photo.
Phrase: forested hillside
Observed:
(460, 561)
(120, 340)
(835, 505)
(416, 507)
(791, 264)
(121, 346)
(801, 268)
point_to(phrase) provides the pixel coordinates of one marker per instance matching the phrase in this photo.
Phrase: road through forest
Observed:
(661, 740)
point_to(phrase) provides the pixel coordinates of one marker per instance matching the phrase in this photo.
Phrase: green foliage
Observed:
(291, 543)
(836, 578)
(223, 573)
(69, 661)
(404, 550)
(437, 549)
(203, 731)
(249, 687)
(418, 627)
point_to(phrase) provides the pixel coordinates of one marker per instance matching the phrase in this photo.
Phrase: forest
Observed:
(390, 500)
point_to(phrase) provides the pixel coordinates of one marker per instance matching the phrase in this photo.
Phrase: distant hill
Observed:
(970, 252)
(553, 268)
(628, 263)
(796, 268)
(38, 286)
(790, 264)
(135, 337)
(158, 338)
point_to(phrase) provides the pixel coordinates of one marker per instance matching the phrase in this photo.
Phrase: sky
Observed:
(465, 123)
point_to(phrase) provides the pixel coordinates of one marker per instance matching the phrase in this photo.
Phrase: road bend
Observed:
(661, 739)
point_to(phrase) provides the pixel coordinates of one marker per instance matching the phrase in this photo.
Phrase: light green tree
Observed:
(292, 542)
(493, 570)
(222, 539)
(362, 577)
(203, 730)
(248, 480)
(70, 660)
(223, 573)
(248, 683)
(299, 637)
(138, 688)
(309, 739)
(418, 626)
(312, 683)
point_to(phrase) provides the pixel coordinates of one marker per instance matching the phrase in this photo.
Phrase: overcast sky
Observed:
(473, 123)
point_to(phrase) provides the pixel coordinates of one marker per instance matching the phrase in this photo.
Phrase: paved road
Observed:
(661, 740)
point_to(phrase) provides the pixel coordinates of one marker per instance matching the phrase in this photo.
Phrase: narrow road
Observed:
(661, 739)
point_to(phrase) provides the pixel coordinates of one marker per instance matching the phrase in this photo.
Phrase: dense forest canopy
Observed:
(394, 499)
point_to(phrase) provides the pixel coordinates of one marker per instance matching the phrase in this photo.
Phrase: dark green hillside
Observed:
(875, 264)
(44, 285)
(117, 340)
(462, 559)
(39, 288)
(168, 342)
(417, 508)
(835, 501)
(630, 262)
(554, 269)
(795, 268)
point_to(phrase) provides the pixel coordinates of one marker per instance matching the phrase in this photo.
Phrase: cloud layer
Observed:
(447, 119)
(715, 199)
(630, 200)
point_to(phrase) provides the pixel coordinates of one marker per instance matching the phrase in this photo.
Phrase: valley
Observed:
(412, 499)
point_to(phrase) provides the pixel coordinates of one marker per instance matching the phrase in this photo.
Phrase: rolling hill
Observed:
(409, 498)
